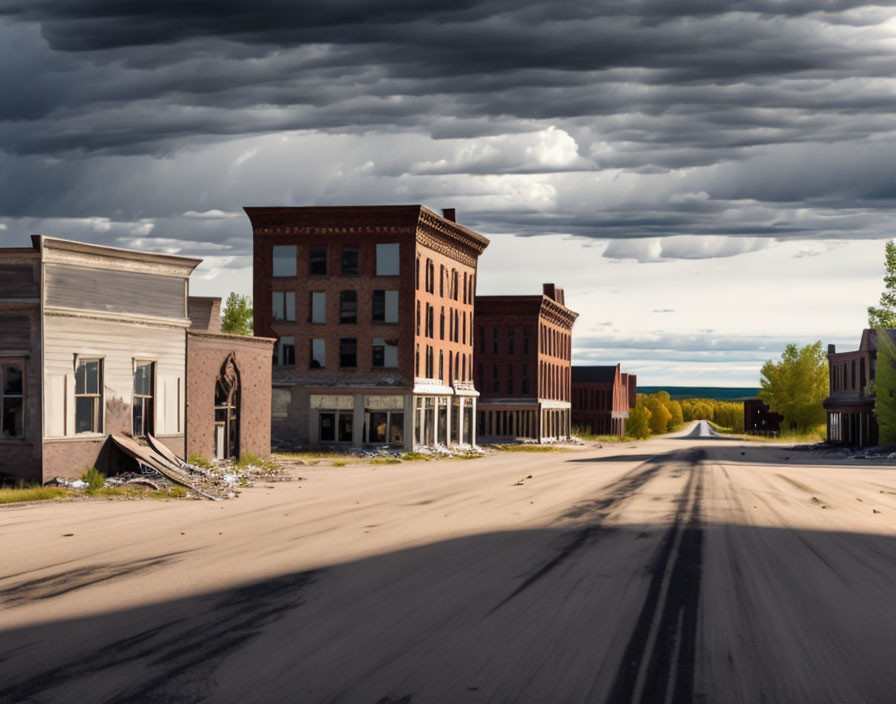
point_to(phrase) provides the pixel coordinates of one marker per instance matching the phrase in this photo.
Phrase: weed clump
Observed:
(199, 461)
(94, 479)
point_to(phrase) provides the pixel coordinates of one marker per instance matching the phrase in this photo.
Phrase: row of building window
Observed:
(554, 343)
(592, 399)
(457, 324)
(843, 376)
(384, 353)
(450, 283)
(460, 366)
(510, 386)
(383, 306)
(511, 340)
(88, 398)
(284, 260)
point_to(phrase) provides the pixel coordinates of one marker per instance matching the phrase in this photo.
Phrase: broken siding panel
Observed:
(169, 405)
(17, 281)
(118, 344)
(15, 332)
(112, 291)
(55, 405)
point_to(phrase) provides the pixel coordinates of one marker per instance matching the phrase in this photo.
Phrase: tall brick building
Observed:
(372, 308)
(523, 358)
(601, 399)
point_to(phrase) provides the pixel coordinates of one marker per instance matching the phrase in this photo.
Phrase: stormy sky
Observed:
(708, 181)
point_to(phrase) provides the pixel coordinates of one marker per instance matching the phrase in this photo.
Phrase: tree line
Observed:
(659, 413)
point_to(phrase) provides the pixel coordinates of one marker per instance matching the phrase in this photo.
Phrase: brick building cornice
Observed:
(555, 313)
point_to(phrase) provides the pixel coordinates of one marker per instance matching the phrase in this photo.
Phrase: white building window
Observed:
(89, 396)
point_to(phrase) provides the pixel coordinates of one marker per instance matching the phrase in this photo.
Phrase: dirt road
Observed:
(680, 569)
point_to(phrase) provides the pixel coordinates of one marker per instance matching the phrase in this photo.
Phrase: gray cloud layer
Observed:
(709, 131)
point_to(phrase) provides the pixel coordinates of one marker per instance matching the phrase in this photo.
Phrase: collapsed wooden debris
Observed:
(155, 456)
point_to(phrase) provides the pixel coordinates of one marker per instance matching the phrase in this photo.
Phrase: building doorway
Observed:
(227, 402)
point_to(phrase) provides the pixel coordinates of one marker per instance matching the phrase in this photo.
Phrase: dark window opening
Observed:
(348, 306)
(351, 262)
(348, 352)
(318, 261)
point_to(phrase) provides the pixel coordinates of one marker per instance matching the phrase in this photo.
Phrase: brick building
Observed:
(228, 383)
(522, 362)
(372, 309)
(759, 419)
(601, 399)
(850, 405)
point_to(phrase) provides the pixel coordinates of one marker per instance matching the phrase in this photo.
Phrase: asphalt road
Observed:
(689, 568)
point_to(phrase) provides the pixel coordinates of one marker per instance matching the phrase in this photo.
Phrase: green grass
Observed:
(526, 448)
(812, 435)
(55, 493)
(35, 493)
(95, 479)
(414, 456)
(467, 456)
(340, 463)
(385, 460)
(250, 459)
(200, 461)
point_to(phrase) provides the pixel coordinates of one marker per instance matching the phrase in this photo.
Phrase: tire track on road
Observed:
(665, 635)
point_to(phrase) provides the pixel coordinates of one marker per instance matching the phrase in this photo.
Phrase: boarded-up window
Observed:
(283, 260)
(318, 307)
(115, 291)
(387, 259)
(168, 405)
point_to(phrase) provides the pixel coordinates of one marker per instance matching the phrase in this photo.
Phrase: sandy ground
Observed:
(680, 569)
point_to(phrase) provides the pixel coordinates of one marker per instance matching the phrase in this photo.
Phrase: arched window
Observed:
(417, 361)
(441, 280)
(442, 324)
(450, 368)
(441, 364)
(454, 284)
(227, 403)
(417, 274)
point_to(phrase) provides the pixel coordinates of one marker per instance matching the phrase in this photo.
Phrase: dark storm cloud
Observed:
(754, 119)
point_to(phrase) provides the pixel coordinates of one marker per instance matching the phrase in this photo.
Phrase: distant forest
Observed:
(719, 393)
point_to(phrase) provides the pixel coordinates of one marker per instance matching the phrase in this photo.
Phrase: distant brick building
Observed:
(850, 405)
(522, 362)
(372, 308)
(758, 418)
(228, 387)
(601, 399)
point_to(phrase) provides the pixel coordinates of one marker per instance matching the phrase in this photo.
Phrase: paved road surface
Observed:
(686, 568)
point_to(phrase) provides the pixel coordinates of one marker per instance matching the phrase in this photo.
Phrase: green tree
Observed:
(885, 315)
(885, 387)
(237, 318)
(797, 385)
(638, 424)
(659, 414)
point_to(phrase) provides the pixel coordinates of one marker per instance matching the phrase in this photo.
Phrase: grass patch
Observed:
(34, 493)
(385, 460)
(250, 459)
(200, 461)
(413, 456)
(340, 463)
(526, 448)
(468, 456)
(95, 479)
(812, 435)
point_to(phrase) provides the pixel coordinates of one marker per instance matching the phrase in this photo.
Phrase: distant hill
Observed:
(719, 393)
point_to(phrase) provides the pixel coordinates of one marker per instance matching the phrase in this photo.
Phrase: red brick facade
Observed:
(379, 281)
(522, 365)
(601, 399)
(207, 355)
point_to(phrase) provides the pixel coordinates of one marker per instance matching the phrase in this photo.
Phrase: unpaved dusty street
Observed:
(679, 569)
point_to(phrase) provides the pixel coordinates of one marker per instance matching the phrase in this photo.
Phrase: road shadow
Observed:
(516, 616)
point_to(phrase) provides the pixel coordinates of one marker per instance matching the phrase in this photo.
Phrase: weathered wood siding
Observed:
(114, 291)
(119, 344)
(15, 332)
(18, 280)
